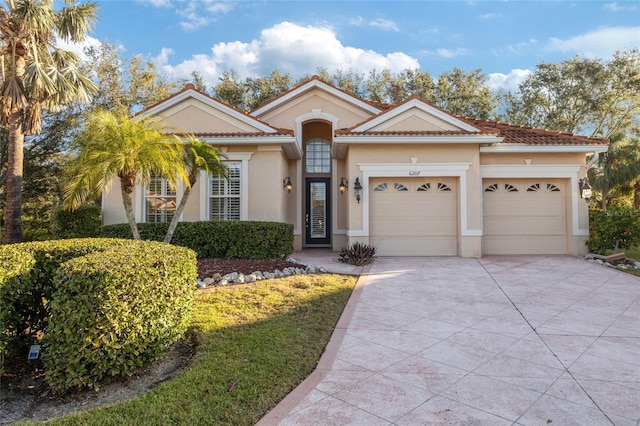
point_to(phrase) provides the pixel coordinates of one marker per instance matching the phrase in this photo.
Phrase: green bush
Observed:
(80, 223)
(117, 311)
(218, 239)
(26, 284)
(613, 230)
(358, 254)
(86, 298)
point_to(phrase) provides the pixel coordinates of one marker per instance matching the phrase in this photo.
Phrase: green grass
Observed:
(266, 337)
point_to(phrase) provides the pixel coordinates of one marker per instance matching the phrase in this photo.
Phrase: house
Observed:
(410, 179)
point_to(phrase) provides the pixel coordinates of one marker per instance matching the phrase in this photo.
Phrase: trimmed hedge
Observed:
(218, 239)
(105, 307)
(83, 222)
(614, 229)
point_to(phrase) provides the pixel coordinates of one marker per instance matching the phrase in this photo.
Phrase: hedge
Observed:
(614, 229)
(101, 307)
(83, 222)
(218, 239)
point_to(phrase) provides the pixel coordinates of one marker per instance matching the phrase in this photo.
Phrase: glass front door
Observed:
(317, 217)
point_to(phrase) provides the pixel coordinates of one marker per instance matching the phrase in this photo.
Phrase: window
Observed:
(159, 201)
(424, 187)
(400, 187)
(381, 187)
(224, 196)
(318, 156)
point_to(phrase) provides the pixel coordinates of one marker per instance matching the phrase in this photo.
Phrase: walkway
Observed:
(495, 341)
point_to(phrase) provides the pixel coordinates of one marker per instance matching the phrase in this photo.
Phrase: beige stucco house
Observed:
(411, 179)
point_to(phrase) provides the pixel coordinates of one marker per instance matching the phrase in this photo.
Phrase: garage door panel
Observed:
(419, 220)
(524, 216)
(415, 246)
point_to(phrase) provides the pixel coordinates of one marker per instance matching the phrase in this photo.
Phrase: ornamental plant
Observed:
(358, 254)
(614, 230)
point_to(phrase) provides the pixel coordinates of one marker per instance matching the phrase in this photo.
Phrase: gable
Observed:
(192, 116)
(315, 95)
(415, 115)
(192, 111)
(414, 120)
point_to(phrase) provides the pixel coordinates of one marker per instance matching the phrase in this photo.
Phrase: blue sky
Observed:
(506, 39)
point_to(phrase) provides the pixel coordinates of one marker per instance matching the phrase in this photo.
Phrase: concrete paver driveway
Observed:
(498, 340)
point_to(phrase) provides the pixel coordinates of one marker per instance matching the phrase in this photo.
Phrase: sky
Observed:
(505, 39)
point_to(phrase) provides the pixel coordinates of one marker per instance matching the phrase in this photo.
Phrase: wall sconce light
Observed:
(344, 185)
(286, 184)
(358, 188)
(585, 189)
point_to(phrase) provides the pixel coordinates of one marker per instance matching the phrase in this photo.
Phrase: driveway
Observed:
(527, 340)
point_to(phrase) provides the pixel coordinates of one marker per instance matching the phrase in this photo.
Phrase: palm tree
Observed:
(198, 156)
(113, 145)
(620, 165)
(36, 75)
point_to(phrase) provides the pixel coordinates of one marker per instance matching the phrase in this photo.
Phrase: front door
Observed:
(318, 213)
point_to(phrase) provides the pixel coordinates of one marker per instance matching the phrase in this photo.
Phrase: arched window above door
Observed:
(318, 156)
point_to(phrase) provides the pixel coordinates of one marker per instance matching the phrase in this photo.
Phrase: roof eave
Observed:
(512, 148)
(417, 139)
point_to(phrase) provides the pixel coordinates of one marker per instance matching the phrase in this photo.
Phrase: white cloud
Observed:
(446, 53)
(384, 24)
(157, 3)
(614, 7)
(78, 48)
(509, 81)
(289, 48)
(490, 16)
(600, 43)
(380, 23)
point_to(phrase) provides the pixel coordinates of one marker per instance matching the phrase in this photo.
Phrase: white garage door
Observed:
(414, 216)
(524, 216)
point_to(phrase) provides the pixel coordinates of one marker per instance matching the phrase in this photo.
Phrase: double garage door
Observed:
(524, 216)
(419, 216)
(414, 216)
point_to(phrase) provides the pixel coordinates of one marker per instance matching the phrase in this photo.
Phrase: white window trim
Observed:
(558, 171)
(458, 170)
(243, 158)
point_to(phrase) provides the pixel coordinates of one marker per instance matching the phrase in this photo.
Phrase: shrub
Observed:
(80, 223)
(218, 239)
(358, 254)
(613, 230)
(95, 292)
(117, 311)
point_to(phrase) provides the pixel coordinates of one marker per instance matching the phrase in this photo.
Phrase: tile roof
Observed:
(534, 136)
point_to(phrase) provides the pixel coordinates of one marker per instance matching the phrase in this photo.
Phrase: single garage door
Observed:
(414, 216)
(524, 216)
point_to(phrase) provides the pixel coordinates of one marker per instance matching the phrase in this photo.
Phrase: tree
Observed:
(230, 90)
(585, 96)
(113, 145)
(618, 166)
(464, 94)
(198, 156)
(37, 76)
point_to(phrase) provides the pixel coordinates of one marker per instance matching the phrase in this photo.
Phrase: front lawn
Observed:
(256, 343)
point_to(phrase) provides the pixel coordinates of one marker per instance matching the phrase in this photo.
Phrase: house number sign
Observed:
(414, 172)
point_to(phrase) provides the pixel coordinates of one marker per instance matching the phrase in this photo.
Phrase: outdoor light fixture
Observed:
(358, 188)
(343, 185)
(286, 184)
(585, 189)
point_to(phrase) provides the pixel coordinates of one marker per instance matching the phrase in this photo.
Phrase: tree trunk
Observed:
(12, 231)
(128, 208)
(176, 217)
(605, 193)
(636, 195)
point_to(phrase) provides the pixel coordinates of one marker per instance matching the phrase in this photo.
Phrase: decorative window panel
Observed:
(552, 188)
(534, 188)
(381, 187)
(224, 196)
(318, 156)
(400, 187)
(510, 188)
(491, 188)
(443, 187)
(424, 187)
(159, 201)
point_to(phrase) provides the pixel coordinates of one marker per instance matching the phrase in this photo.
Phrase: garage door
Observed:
(524, 216)
(414, 216)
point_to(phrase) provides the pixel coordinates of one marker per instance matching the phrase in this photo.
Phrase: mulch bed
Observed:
(209, 267)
